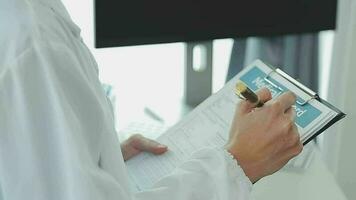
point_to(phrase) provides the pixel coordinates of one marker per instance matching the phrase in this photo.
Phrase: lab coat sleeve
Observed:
(52, 126)
(211, 173)
(52, 122)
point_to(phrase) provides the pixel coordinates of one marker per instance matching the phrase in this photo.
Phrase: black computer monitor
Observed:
(135, 22)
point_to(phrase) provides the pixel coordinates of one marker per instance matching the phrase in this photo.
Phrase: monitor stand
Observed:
(198, 72)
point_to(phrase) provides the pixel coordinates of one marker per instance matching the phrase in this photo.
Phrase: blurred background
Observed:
(136, 73)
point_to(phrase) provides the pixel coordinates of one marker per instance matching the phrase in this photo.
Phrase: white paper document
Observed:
(208, 125)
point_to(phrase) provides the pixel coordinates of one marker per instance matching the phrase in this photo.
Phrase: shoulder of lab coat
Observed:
(25, 23)
(15, 31)
(57, 137)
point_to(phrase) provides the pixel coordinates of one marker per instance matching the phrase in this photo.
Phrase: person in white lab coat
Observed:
(57, 137)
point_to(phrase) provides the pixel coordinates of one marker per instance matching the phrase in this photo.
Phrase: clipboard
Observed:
(312, 95)
(208, 125)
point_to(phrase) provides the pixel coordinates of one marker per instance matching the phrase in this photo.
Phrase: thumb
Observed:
(144, 144)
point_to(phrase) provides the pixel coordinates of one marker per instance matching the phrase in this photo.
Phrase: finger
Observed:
(128, 151)
(290, 112)
(286, 100)
(245, 106)
(148, 145)
(295, 150)
(294, 137)
(284, 158)
(291, 152)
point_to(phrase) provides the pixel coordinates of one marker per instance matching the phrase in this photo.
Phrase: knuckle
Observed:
(290, 124)
(292, 128)
(293, 114)
(292, 95)
(275, 108)
(135, 137)
(298, 149)
(276, 105)
(264, 89)
(267, 91)
(296, 138)
(264, 92)
(290, 140)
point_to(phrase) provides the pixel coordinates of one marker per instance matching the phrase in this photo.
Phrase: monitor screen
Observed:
(136, 22)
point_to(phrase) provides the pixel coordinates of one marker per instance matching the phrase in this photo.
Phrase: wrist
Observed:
(248, 170)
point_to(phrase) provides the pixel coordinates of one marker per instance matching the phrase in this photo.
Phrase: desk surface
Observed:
(314, 183)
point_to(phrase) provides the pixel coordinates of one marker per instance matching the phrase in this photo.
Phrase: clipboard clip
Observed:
(312, 94)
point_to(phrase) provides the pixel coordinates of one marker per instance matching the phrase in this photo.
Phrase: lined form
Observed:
(204, 128)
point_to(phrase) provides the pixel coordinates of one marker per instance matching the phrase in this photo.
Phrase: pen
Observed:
(152, 114)
(248, 94)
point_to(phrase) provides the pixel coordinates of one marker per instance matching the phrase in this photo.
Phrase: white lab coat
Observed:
(57, 137)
